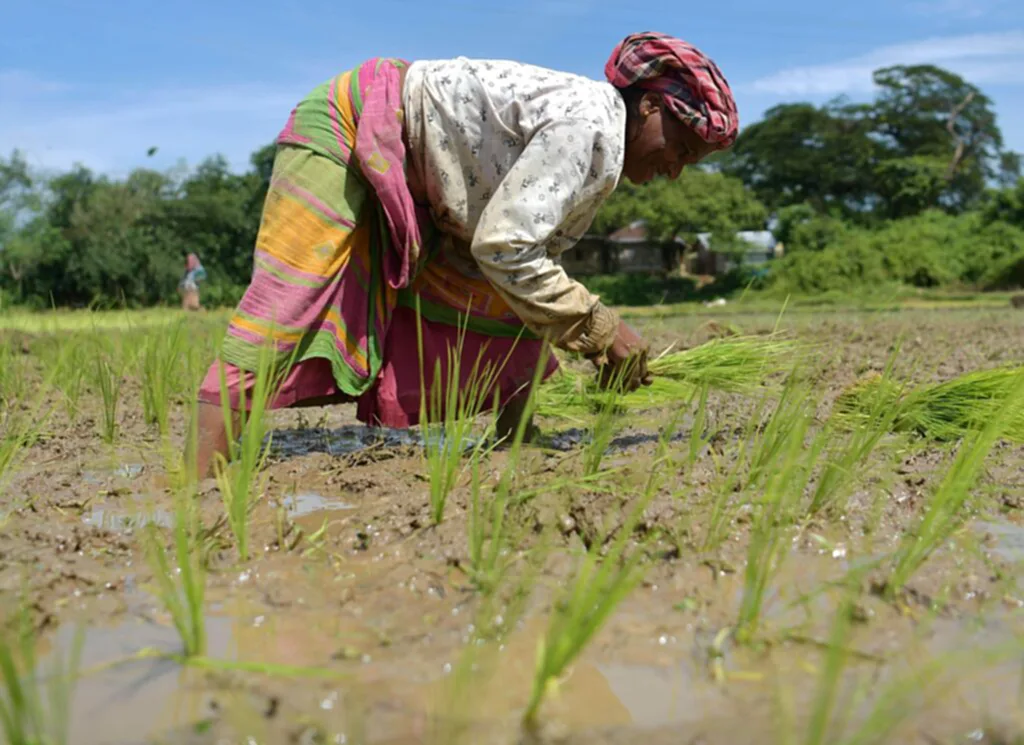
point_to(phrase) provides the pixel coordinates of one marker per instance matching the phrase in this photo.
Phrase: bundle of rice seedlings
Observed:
(575, 396)
(739, 364)
(944, 411)
(869, 393)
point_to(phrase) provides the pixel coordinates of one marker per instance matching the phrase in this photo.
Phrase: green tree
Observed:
(1006, 205)
(799, 153)
(696, 202)
(925, 115)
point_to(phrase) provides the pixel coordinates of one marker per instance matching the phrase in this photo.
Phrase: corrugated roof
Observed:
(763, 239)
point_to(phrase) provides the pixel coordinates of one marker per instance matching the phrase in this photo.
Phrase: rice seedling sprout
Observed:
(455, 403)
(945, 510)
(183, 592)
(241, 476)
(775, 512)
(34, 712)
(600, 584)
(109, 381)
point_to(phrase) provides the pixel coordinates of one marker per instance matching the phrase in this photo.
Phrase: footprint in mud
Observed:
(1006, 540)
(120, 520)
(292, 443)
(306, 503)
(129, 471)
(346, 440)
(349, 439)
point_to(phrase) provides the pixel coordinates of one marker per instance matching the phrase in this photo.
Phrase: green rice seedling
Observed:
(109, 380)
(907, 694)
(160, 362)
(849, 451)
(19, 427)
(71, 379)
(489, 541)
(454, 403)
(596, 590)
(241, 479)
(841, 710)
(486, 527)
(34, 712)
(943, 411)
(183, 592)
(577, 398)
(776, 511)
(945, 511)
(495, 616)
(699, 421)
(949, 410)
(735, 365)
(603, 431)
(827, 715)
(12, 374)
(17, 432)
(760, 444)
(772, 439)
(604, 427)
(604, 481)
(722, 508)
(862, 710)
(728, 482)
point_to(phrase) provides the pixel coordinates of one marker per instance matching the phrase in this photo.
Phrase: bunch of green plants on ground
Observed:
(945, 510)
(738, 364)
(945, 411)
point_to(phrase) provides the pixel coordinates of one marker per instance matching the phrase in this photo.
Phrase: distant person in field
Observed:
(188, 288)
(454, 184)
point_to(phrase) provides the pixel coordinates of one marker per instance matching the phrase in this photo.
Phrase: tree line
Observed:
(914, 187)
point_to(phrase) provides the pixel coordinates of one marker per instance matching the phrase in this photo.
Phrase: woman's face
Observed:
(658, 143)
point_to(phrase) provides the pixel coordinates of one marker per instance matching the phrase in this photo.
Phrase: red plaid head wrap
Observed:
(693, 86)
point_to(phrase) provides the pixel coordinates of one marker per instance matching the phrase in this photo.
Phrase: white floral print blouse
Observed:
(515, 160)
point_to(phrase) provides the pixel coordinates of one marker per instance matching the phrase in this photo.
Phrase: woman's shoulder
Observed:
(504, 73)
(532, 89)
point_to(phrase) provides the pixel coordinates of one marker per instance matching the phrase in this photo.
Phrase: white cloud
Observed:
(980, 58)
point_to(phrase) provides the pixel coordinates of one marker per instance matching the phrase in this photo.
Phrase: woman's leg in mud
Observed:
(211, 438)
(510, 416)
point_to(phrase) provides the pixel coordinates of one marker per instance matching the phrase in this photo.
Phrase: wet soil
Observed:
(352, 582)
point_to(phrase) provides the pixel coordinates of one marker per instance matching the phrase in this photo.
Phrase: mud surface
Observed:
(371, 606)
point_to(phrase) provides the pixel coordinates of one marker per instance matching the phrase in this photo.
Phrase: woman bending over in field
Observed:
(453, 185)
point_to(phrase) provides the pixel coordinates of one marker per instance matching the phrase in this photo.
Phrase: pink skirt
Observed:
(394, 401)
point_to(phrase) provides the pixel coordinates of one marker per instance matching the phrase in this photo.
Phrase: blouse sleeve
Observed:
(545, 204)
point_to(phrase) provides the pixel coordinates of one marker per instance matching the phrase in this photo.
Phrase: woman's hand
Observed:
(625, 361)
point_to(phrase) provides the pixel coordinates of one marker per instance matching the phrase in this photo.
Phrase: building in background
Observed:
(628, 250)
(763, 248)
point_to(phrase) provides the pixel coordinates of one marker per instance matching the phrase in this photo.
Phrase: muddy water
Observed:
(662, 693)
(380, 611)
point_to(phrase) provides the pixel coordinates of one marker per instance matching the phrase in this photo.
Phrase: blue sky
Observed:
(101, 82)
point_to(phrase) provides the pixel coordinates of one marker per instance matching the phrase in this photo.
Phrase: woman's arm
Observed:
(545, 204)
